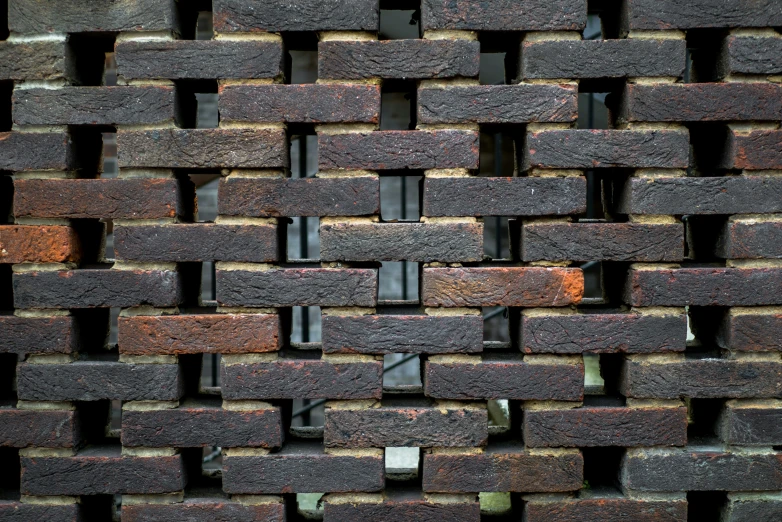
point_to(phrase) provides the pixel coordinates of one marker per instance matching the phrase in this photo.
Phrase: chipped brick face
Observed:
(575, 310)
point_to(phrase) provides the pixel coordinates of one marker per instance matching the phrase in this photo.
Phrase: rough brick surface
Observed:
(16, 511)
(44, 60)
(750, 425)
(23, 335)
(513, 15)
(205, 510)
(304, 15)
(605, 508)
(42, 429)
(38, 244)
(758, 330)
(752, 55)
(23, 151)
(82, 16)
(408, 507)
(753, 150)
(671, 14)
(750, 240)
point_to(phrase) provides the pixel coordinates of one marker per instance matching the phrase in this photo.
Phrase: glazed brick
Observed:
(604, 508)
(717, 195)
(420, 242)
(695, 469)
(297, 287)
(25, 151)
(522, 103)
(38, 428)
(203, 333)
(405, 425)
(276, 197)
(508, 378)
(402, 506)
(296, 378)
(672, 14)
(752, 150)
(98, 198)
(38, 244)
(121, 105)
(603, 58)
(16, 511)
(196, 424)
(516, 15)
(704, 287)
(96, 288)
(84, 16)
(99, 380)
(44, 335)
(204, 510)
(380, 150)
(33, 60)
(751, 330)
(590, 149)
(529, 196)
(302, 468)
(749, 239)
(398, 59)
(752, 55)
(502, 468)
(602, 242)
(603, 333)
(203, 148)
(701, 102)
(304, 103)
(596, 426)
(197, 242)
(751, 424)
(513, 286)
(302, 15)
(199, 59)
(385, 334)
(701, 379)
(102, 471)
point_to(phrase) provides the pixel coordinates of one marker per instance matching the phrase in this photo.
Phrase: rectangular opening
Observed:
(89, 57)
(100, 507)
(400, 198)
(398, 105)
(593, 282)
(210, 374)
(305, 324)
(402, 463)
(303, 239)
(603, 19)
(6, 198)
(499, 57)
(206, 187)
(706, 505)
(110, 168)
(601, 467)
(703, 323)
(96, 420)
(592, 111)
(195, 20)
(94, 326)
(497, 152)
(114, 327)
(8, 376)
(398, 282)
(309, 506)
(496, 238)
(496, 324)
(202, 472)
(208, 282)
(303, 151)
(495, 505)
(703, 54)
(196, 104)
(402, 373)
(400, 20)
(308, 413)
(4, 30)
(6, 106)
(702, 418)
(499, 416)
(593, 381)
(301, 59)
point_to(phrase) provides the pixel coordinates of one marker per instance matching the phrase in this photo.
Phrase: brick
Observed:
(602, 242)
(502, 467)
(626, 58)
(515, 15)
(603, 333)
(380, 150)
(608, 507)
(513, 286)
(701, 379)
(750, 424)
(605, 426)
(420, 242)
(747, 510)
(202, 333)
(750, 239)
(197, 242)
(296, 378)
(203, 148)
(751, 55)
(752, 150)
(44, 335)
(43, 60)
(701, 102)
(700, 469)
(199, 60)
(121, 105)
(38, 244)
(204, 510)
(303, 15)
(15, 511)
(402, 506)
(25, 151)
(83, 16)
(197, 424)
(522, 103)
(297, 287)
(385, 334)
(404, 424)
(100, 471)
(96, 288)
(99, 380)
(41, 429)
(590, 149)
(98, 198)
(704, 287)
(671, 14)
(398, 59)
(504, 196)
(276, 197)
(302, 468)
(503, 378)
(751, 330)
(304, 103)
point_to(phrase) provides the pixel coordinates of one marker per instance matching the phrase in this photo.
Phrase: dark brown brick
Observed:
(38, 428)
(38, 244)
(751, 424)
(42, 60)
(748, 510)
(751, 330)
(15, 511)
(402, 506)
(516, 15)
(750, 239)
(752, 55)
(303, 15)
(752, 150)
(24, 151)
(672, 14)
(45, 335)
(608, 508)
(204, 510)
(83, 16)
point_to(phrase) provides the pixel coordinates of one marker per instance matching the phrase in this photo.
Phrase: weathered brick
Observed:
(504, 196)
(603, 58)
(752, 150)
(38, 244)
(522, 103)
(751, 330)
(275, 197)
(751, 424)
(204, 509)
(302, 468)
(42, 60)
(24, 151)
(38, 428)
(199, 60)
(202, 333)
(602, 242)
(502, 467)
(513, 15)
(94, 106)
(750, 239)
(700, 102)
(15, 511)
(304, 103)
(96, 288)
(590, 149)
(203, 148)
(302, 15)
(420, 242)
(383, 150)
(746, 510)
(44, 335)
(382, 334)
(98, 380)
(513, 286)
(751, 55)
(672, 14)
(609, 508)
(402, 506)
(297, 287)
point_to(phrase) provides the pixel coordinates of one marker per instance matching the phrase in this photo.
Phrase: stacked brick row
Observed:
(691, 177)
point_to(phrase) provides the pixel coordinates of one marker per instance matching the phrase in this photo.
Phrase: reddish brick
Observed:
(672, 14)
(83, 16)
(608, 508)
(38, 244)
(750, 239)
(204, 509)
(38, 428)
(29, 335)
(303, 15)
(478, 15)
(402, 506)
(752, 150)
(751, 330)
